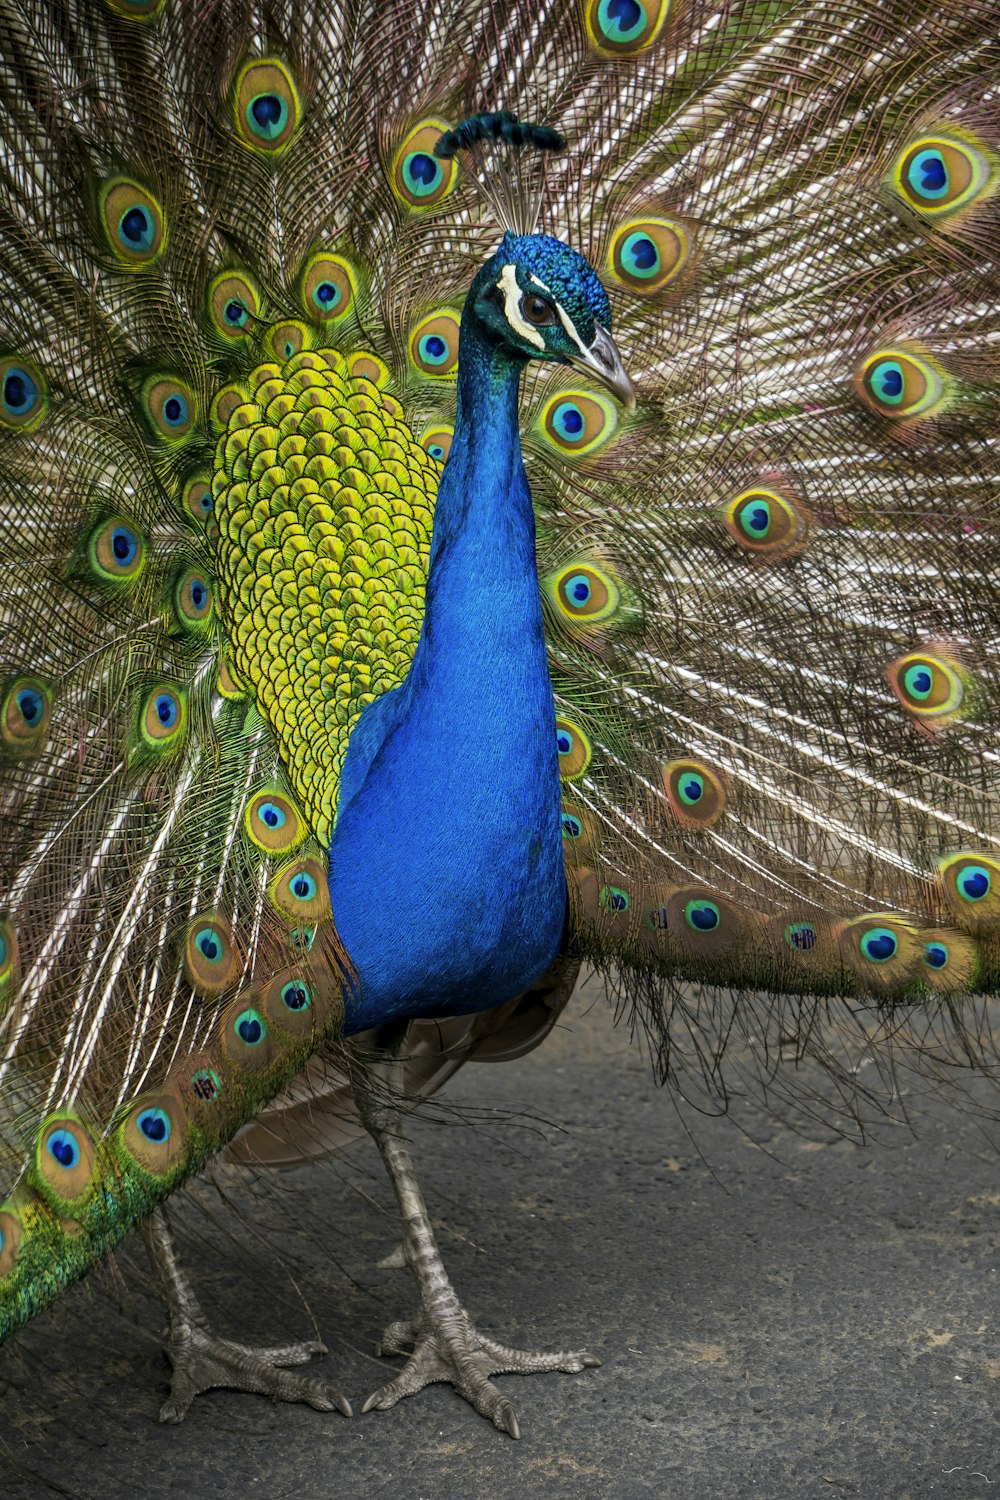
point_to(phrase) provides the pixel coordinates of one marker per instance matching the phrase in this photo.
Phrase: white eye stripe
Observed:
(564, 319)
(512, 308)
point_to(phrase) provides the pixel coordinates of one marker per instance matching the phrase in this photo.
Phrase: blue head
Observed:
(539, 299)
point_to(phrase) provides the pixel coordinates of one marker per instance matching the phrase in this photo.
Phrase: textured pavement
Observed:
(776, 1317)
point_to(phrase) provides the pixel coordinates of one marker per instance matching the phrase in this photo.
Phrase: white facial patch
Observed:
(512, 308)
(567, 324)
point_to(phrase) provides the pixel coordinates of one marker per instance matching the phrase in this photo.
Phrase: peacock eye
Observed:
(538, 311)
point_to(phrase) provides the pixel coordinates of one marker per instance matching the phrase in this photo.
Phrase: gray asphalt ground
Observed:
(776, 1317)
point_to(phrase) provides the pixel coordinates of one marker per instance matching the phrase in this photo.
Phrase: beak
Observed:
(603, 360)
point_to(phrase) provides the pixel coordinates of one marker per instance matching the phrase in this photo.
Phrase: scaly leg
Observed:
(446, 1345)
(202, 1362)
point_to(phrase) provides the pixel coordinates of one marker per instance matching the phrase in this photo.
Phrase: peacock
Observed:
(484, 489)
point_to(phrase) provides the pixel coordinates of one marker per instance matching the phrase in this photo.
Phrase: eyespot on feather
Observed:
(116, 550)
(576, 422)
(133, 221)
(329, 286)
(433, 345)
(64, 1168)
(767, 523)
(367, 366)
(437, 441)
(23, 393)
(970, 884)
(940, 174)
(418, 178)
(927, 685)
(197, 498)
(25, 712)
(583, 593)
(647, 254)
(211, 959)
(170, 408)
(289, 1003)
(300, 891)
(579, 831)
(192, 601)
(272, 821)
(163, 719)
(950, 961)
(695, 792)
(266, 106)
(899, 382)
(287, 339)
(883, 950)
(154, 1133)
(574, 749)
(247, 1040)
(621, 28)
(233, 305)
(8, 956)
(701, 923)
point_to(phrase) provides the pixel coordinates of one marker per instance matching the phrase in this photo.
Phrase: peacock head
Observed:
(540, 299)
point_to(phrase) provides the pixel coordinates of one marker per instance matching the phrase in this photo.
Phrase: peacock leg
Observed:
(203, 1362)
(442, 1343)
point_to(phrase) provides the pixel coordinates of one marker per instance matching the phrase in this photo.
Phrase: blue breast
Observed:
(446, 867)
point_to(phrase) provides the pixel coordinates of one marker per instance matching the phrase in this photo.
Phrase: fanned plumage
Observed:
(233, 271)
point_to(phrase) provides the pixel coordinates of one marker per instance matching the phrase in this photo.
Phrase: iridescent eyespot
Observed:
(583, 593)
(64, 1148)
(163, 719)
(246, 1037)
(702, 916)
(614, 899)
(765, 522)
(23, 394)
(170, 407)
(300, 891)
(433, 344)
(328, 287)
(25, 712)
(936, 955)
(926, 685)
(970, 883)
(273, 822)
(801, 937)
(8, 952)
(154, 1125)
(267, 106)
(286, 340)
(576, 422)
(619, 28)
(648, 253)
(939, 174)
(367, 366)
(133, 223)
(153, 1132)
(437, 442)
(233, 304)
(295, 996)
(572, 828)
(419, 179)
(878, 944)
(63, 1168)
(197, 498)
(193, 601)
(579, 832)
(695, 792)
(211, 961)
(899, 383)
(573, 748)
(116, 551)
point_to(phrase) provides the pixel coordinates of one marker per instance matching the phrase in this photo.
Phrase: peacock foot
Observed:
(452, 1349)
(202, 1362)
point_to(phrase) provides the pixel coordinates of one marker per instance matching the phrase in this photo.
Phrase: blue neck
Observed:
(449, 806)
